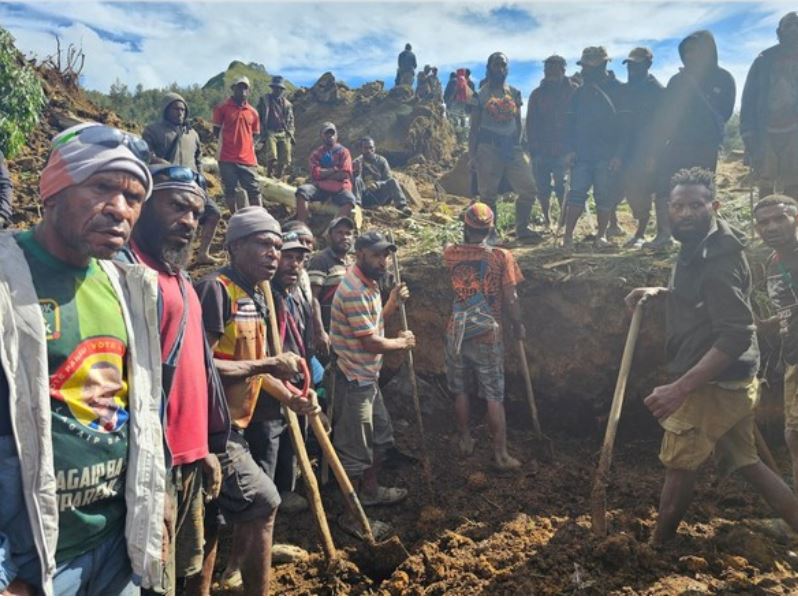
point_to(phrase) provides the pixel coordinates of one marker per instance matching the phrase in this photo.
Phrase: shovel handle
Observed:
(347, 489)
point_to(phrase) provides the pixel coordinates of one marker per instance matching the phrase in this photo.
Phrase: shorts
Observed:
(492, 168)
(247, 493)
(278, 147)
(485, 360)
(638, 189)
(362, 426)
(102, 571)
(184, 515)
(273, 450)
(791, 398)
(313, 193)
(713, 418)
(234, 173)
(546, 169)
(596, 174)
(211, 210)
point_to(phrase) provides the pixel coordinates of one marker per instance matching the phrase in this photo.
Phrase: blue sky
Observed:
(157, 43)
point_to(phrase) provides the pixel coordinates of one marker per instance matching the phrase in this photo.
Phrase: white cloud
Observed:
(189, 42)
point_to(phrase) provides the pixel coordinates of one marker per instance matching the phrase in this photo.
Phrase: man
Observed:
(197, 421)
(596, 142)
(236, 123)
(545, 131)
(277, 127)
(80, 435)
(330, 168)
(6, 194)
(713, 357)
(494, 146)
(643, 98)
(375, 185)
(173, 140)
(484, 280)
(698, 102)
(268, 435)
(362, 429)
(235, 316)
(406, 68)
(776, 224)
(328, 267)
(769, 113)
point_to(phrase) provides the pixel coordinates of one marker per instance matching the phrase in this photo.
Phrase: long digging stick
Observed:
(530, 396)
(598, 497)
(413, 381)
(299, 445)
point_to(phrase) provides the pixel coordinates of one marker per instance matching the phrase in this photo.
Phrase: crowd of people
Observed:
(141, 411)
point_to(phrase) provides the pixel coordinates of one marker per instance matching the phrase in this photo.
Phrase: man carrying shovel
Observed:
(713, 357)
(362, 427)
(484, 281)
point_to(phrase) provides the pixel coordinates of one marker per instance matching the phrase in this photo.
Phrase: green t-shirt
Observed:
(86, 350)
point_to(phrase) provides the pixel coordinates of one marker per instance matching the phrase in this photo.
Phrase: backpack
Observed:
(472, 317)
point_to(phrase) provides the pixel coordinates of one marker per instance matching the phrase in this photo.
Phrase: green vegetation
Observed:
(21, 97)
(144, 106)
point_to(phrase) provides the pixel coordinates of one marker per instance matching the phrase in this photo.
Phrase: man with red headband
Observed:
(484, 279)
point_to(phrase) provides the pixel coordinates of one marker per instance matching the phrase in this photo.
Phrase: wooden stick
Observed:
(299, 444)
(413, 381)
(598, 497)
(530, 393)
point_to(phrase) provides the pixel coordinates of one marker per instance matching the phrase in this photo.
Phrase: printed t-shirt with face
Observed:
(499, 109)
(464, 264)
(782, 286)
(86, 358)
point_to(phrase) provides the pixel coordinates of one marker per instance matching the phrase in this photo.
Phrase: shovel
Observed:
(598, 497)
(299, 444)
(530, 396)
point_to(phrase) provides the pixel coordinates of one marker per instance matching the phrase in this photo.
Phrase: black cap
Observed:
(338, 220)
(374, 240)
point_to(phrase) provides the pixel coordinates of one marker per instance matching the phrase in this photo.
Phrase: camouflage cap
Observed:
(593, 56)
(640, 55)
(555, 58)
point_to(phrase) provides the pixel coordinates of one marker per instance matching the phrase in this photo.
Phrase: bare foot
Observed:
(466, 446)
(505, 462)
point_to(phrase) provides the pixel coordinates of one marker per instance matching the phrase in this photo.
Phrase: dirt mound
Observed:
(404, 129)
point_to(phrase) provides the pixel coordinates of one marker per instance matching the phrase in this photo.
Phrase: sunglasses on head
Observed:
(178, 173)
(109, 137)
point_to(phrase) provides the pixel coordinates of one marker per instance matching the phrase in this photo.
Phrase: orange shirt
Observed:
(239, 125)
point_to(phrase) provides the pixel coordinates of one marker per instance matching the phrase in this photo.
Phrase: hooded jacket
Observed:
(709, 306)
(756, 96)
(178, 144)
(546, 117)
(597, 120)
(697, 105)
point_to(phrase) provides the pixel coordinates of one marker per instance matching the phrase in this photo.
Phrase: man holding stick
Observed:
(713, 355)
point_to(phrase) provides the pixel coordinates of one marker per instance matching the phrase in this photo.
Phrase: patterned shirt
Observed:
(356, 313)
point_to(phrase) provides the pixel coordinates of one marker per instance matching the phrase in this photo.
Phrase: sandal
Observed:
(379, 529)
(384, 496)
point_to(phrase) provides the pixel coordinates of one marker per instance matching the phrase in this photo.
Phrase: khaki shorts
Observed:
(278, 147)
(491, 169)
(791, 398)
(713, 418)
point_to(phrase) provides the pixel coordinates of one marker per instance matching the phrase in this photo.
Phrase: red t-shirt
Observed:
(187, 409)
(239, 124)
(328, 158)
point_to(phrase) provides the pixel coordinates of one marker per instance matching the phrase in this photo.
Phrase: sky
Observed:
(158, 43)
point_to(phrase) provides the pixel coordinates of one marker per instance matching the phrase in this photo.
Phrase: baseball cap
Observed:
(479, 216)
(243, 79)
(639, 55)
(374, 240)
(555, 58)
(593, 56)
(292, 241)
(338, 220)
(325, 127)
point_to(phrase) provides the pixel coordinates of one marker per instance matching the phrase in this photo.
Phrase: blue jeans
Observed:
(546, 168)
(104, 571)
(595, 174)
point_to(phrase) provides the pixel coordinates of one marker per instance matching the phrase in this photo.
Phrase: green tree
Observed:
(21, 97)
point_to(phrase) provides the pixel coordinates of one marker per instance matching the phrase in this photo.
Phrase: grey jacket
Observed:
(178, 144)
(23, 354)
